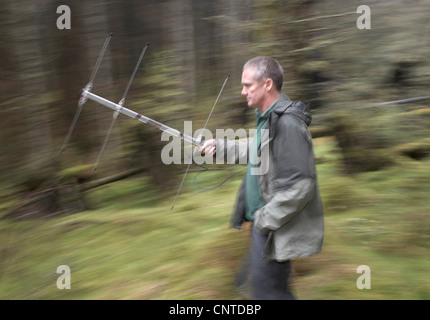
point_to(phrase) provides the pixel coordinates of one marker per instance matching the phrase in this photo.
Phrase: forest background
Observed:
(113, 227)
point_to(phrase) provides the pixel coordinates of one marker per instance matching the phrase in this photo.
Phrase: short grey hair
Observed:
(266, 68)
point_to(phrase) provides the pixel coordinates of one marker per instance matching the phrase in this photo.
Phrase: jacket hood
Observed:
(295, 108)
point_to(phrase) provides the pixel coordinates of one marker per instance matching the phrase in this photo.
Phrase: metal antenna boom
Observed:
(140, 117)
(120, 108)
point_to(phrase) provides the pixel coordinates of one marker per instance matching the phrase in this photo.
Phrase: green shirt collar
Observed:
(265, 114)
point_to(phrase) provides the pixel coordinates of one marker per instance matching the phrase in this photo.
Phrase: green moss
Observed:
(134, 247)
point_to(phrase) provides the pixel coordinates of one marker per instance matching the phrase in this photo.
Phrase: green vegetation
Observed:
(114, 227)
(131, 246)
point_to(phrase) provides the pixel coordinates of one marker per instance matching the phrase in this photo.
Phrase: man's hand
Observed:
(209, 147)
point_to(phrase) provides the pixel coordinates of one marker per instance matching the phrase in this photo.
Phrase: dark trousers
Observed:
(263, 279)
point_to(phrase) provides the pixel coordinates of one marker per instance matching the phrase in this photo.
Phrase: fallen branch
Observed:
(406, 100)
(113, 178)
(61, 200)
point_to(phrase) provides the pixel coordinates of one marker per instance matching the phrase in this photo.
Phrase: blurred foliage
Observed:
(372, 157)
(133, 247)
(330, 64)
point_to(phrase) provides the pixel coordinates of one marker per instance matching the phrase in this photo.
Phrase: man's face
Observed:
(252, 90)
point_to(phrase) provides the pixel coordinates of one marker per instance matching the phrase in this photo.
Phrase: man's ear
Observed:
(269, 84)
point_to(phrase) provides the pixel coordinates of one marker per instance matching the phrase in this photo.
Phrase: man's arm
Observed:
(294, 176)
(230, 151)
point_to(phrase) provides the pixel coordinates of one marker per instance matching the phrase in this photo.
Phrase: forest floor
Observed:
(131, 246)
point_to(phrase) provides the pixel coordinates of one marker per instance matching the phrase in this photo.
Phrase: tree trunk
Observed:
(30, 58)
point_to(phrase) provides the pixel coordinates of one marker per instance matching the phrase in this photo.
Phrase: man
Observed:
(279, 193)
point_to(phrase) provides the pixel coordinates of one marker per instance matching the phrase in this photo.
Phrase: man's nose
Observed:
(243, 93)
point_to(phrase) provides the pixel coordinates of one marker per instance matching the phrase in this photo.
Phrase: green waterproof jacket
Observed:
(292, 216)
